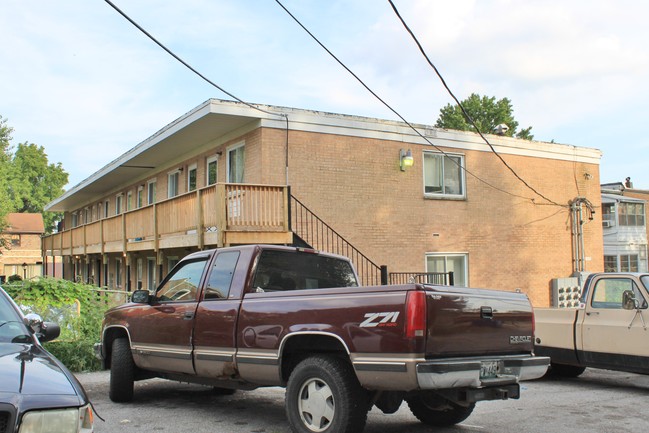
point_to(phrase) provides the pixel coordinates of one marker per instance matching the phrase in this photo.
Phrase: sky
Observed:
(81, 81)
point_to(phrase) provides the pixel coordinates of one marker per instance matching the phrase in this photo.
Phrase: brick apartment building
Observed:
(22, 255)
(227, 173)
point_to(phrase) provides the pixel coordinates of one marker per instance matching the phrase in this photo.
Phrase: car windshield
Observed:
(12, 328)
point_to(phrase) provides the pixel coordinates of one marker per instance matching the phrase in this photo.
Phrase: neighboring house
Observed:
(22, 255)
(624, 222)
(226, 173)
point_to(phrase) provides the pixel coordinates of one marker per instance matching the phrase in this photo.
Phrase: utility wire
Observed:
(393, 110)
(188, 66)
(423, 52)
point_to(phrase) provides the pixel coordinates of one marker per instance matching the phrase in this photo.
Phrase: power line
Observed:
(395, 111)
(187, 65)
(423, 52)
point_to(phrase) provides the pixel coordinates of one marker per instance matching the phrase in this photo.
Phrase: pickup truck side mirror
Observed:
(140, 297)
(629, 302)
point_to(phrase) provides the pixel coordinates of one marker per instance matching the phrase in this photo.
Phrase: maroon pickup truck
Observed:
(260, 315)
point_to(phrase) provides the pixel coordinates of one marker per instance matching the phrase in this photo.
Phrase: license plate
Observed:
(489, 369)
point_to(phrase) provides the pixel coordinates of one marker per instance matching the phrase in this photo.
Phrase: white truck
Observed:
(608, 329)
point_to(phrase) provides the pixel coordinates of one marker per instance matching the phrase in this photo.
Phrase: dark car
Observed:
(37, 393)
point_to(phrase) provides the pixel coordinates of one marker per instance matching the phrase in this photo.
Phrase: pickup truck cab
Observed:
(607, 330)
(259, 315)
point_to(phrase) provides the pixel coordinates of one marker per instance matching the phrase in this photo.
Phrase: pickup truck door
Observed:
(216, 318)
(612, 336)
(161, 332)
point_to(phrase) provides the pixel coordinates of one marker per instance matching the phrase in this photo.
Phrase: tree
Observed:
(487, 113)
(27, 180)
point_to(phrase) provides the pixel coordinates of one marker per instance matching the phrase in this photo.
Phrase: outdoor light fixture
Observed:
(405, 159)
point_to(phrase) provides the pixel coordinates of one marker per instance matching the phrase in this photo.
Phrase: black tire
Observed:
(122, 372)
(565, 370)
(323, 396)
(436, 411)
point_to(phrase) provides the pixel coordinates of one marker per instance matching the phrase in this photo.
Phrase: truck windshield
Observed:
(288, 270)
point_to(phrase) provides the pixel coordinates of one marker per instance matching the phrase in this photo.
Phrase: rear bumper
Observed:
(470, 373)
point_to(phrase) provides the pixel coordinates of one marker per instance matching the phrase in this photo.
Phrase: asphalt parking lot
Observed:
(599, 401)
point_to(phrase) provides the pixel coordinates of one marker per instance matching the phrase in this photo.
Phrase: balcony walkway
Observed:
(215, 216)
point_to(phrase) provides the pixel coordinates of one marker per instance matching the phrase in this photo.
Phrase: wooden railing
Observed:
(201, 217)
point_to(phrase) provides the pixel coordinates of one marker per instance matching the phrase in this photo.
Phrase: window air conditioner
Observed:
(607, 224)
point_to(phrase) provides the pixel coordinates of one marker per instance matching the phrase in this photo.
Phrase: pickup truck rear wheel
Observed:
(122, 372)
(323, 396)
(434, 410)
(564, 370)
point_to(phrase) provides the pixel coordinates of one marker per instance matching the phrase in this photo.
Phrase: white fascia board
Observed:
(326, 123)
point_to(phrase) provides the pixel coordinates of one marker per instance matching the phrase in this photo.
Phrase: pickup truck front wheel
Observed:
(122, 371)
(323, 396)
(434, 410)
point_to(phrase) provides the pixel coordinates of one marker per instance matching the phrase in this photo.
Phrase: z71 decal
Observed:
(373, 320)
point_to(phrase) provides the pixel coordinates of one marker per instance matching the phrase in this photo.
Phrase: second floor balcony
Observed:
(214, 216)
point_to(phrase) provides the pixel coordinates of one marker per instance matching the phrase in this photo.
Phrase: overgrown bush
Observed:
(77, 308)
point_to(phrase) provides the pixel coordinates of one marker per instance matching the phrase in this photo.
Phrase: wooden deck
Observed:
(215, 216)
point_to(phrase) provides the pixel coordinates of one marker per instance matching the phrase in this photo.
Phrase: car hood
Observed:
(27, 369)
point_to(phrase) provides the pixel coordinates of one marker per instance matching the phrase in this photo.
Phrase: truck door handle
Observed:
(593, 313)
(189, 315)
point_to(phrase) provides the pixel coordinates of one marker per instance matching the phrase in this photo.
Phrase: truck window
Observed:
(220, 279)
(182, 283)
(288, 270)
(608, 293)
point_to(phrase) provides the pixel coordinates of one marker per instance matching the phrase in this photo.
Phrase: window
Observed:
(138, 274)
(106, 206)
(139, 198)
(211, 170)
(608, 293)
(608, 214)
(75, 219)
(191, 177)
(444, 263)
(129, 200)
(151, 195)
(106, 271)
(118, 273)
(173, 180)
(443, 175)
(118, 204)
(610, 263)
(15, 240)
(236, 164)
(182, 283)
(99, 211)
(151, 273)
(86, 216)
(631, 214)
(629, 263)
(218, 285)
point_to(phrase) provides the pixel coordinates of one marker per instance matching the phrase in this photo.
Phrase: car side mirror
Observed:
(49, 331)
(45, 331)
(140, 297)
(629, 302)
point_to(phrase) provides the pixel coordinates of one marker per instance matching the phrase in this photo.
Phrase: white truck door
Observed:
(611, 335)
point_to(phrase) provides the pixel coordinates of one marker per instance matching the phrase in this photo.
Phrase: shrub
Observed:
(77, 308)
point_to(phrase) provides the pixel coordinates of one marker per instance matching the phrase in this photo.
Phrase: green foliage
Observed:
(77, 308)
(28, 181)
(487, 113)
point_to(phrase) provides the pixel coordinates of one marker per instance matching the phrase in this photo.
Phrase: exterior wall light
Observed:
(405, 159)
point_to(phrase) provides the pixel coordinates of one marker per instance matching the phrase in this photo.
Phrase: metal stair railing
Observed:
(313, 231)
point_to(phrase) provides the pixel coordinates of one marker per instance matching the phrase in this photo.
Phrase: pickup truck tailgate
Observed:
(468, 321)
